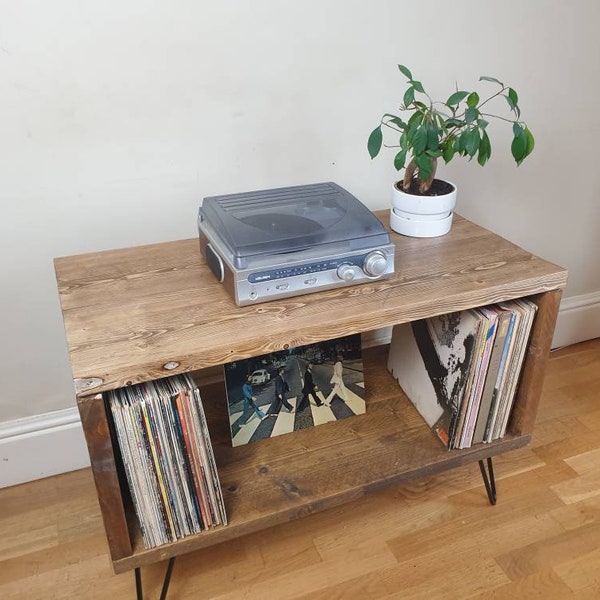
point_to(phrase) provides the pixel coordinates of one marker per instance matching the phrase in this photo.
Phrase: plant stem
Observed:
(501, 118)
(391, 126)
(491, 97)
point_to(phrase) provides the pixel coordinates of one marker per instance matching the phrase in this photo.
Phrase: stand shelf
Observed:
(130, 312)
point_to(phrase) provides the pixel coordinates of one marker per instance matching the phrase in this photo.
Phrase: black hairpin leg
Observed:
(490, 482)
(166, 581)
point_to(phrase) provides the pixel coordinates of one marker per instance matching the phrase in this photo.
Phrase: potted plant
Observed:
(421, 204)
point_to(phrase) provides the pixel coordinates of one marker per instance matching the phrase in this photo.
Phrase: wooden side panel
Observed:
(102, 457)
(534, 366)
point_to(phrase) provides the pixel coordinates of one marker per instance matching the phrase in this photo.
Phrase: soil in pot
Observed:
(439, 187)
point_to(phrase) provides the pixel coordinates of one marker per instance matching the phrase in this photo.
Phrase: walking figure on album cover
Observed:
(250, 406)
(339, 389)
(309, 389)
(281, 387)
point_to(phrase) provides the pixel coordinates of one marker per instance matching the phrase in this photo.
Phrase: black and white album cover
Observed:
(294, 389)
(431, 360)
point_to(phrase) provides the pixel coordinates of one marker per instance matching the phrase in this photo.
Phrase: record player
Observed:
(288, 241)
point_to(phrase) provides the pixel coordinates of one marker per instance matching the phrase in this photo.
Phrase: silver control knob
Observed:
(346, 272)
(375, 263)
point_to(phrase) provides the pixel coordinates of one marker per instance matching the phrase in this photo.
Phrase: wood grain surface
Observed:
(130, 312)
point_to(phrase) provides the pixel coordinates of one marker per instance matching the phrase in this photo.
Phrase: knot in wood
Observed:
(289, 488)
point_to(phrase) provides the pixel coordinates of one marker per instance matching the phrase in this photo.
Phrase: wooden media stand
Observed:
(147, 312)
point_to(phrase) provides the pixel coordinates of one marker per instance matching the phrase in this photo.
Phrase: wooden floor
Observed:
(434, 538)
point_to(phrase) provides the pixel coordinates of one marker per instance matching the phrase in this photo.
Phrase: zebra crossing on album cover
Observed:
(284, 422)
(281, 392)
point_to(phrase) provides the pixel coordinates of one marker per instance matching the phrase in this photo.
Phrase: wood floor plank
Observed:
(550, 551)
(587, 485)
(16, 542)
(591, 420)
(580, 488)
(558, 429)
(542, 585)
(453, 580)
(436, 537)
(582, 573)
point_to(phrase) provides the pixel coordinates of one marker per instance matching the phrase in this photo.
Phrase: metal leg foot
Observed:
(166, 581)
(489, 481)
(138, 585)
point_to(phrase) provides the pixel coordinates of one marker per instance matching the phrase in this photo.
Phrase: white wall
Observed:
(118, 117)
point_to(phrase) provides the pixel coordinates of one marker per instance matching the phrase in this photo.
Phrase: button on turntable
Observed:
(375, 263)
(346, 272)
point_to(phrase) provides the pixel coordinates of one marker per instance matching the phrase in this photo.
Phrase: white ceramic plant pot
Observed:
(421, 216)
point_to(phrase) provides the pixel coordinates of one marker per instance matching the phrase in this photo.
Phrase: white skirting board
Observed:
(53, 443)
(578, 320)
(39, 446)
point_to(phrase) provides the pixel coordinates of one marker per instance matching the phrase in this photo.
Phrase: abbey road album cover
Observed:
(298, 388)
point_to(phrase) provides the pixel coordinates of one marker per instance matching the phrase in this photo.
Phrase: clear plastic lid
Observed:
(292, 219)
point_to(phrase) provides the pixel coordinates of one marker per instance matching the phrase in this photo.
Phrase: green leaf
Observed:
(419, 140)
(448, 151)
(433, 138)
(485, 149)
(472, 99)
(425, 166)
(530, 142)
(512, 100)
(492, 79)
(418, 86)
(409, 96)
(456, 98)
(375, 142)
(434, 153)
(405, 71)
(395, 120)
(472, 142)
(453, 123)
(415, 120)
(518, 147)
(471, 114)
(482, 123)
(517, 129)
(400, 160)
(462, 141)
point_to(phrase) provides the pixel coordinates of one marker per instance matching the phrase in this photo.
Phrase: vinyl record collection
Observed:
(461, 370)
(168, 458)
